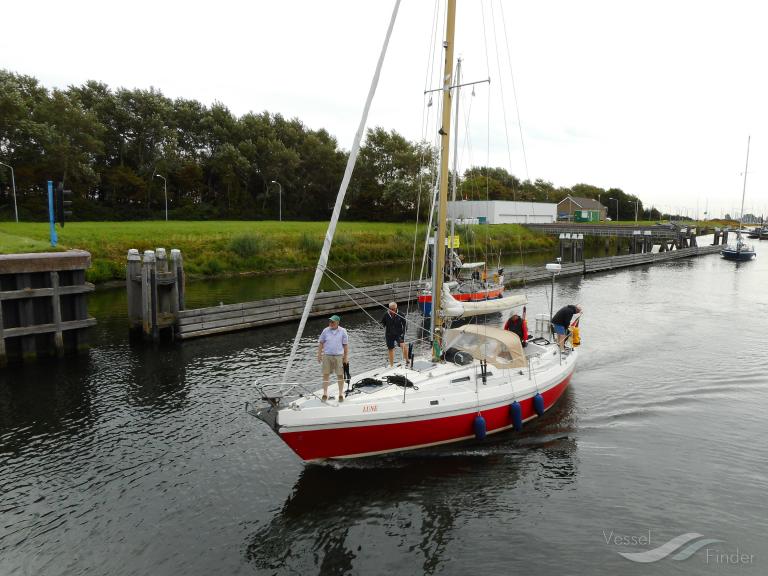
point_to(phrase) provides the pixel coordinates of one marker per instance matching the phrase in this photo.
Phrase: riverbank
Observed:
(216, 248)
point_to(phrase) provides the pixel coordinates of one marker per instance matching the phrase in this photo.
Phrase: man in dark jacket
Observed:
(394, 332)
(562, 319)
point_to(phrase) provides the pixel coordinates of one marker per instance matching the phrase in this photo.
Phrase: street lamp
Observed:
(165, 193)
(279, 199)
(13, 183)
(617, 208)
(636, 202)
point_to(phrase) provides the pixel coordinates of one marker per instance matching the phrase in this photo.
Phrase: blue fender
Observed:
(516, 413)
(479, 427)
(538, 404)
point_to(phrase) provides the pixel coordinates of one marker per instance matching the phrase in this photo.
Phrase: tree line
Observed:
(108, 146)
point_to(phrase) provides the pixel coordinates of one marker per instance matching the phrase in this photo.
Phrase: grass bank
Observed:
(214, 248)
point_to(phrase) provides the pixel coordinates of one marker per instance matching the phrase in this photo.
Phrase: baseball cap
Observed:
(334, 318)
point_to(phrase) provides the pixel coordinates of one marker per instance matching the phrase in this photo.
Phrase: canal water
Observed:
(140, 461)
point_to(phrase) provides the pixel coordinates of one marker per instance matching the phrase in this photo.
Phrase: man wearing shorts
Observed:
(394, 332)
(561, 320)
(332, 353)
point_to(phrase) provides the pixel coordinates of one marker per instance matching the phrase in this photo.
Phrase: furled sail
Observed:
(321, 264)
(453, 308)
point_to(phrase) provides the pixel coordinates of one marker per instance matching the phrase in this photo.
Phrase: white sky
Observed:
(654, 97)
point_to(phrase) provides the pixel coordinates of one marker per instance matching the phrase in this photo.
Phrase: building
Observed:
(578, 209)
(502, 212)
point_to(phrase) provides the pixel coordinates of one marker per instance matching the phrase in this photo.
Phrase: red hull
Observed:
(468, 297)
(355, 441)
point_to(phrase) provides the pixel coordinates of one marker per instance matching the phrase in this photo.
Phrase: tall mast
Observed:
(455, 164)
(437, 300)
(744, 191)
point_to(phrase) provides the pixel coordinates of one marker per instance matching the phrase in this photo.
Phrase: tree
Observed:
(385, 185)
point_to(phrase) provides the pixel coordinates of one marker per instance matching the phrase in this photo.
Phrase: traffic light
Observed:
(62, 205)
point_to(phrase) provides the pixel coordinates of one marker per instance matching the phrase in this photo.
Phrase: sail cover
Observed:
(453, 308)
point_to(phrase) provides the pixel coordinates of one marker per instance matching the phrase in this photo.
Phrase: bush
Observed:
(249, 245)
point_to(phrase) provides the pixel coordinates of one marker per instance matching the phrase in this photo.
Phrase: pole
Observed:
(54, 238)
(445, 128)
(744, 190)
(13, 185)
(552, 300)
(636, 203)
(165, 193)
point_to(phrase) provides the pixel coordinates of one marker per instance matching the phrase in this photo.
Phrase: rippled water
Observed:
(134, 460)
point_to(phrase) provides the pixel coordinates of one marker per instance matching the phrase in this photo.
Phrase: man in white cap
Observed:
(333, 353)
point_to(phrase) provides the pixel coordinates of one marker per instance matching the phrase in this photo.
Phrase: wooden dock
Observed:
(664, 231)
(233, 317)
(229, 317)
(43, 304)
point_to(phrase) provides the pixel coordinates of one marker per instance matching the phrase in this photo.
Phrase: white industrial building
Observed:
(502, 212)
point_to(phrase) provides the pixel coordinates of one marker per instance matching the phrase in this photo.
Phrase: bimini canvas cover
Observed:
(498, 347)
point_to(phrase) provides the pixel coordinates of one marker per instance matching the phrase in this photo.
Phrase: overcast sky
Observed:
(656, 97)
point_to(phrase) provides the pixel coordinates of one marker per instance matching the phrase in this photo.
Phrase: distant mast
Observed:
(445, 128)
(744, 190)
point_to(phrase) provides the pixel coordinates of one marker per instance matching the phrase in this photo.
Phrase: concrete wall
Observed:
(504, 212)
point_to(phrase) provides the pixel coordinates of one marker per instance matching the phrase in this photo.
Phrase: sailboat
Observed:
(740, 250)
(474, 381)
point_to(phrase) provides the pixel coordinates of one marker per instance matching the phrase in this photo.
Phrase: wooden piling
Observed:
(133, 287)
(155, 292)
(147, 293)
(178, 259)
(578, 247)
(3, 357)
(58, 335)
(175, 285)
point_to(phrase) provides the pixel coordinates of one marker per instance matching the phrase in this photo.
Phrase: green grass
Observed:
(212, 248)
(14, 244)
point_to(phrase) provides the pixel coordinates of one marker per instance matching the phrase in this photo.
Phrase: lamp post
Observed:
(13, 184)
(165, 193)
(636, 203)
(617, 207)
(279, 199)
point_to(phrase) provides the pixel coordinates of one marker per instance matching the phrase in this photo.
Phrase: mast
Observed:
(455, 164)
(744, 191)
(437, 294)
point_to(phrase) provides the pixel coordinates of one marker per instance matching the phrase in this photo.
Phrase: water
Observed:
(139, 461)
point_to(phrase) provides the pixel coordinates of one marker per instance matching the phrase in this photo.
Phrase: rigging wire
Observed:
(501, 90)
(348, 295)
(425, 122)
(514, 90)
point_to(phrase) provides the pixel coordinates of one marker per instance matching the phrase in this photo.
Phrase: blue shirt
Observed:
(334, 341)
